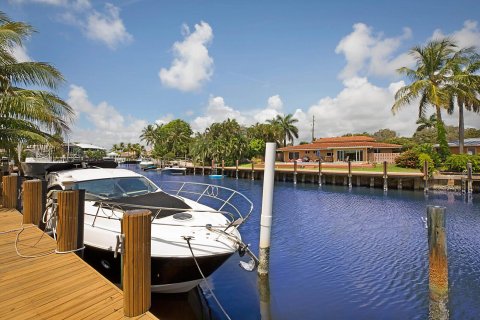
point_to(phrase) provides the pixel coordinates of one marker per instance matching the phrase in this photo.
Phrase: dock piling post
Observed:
(194, 168)
(294, 171)
(385, 176)
(425, 176)
(136, 226)
(223, 167)
(213, 167)
(253, 171)
(11, 191)
(399, 186)
(236, 169)
(71, 205)
(350, 173)
(34, 201)
(438, 262)
(203, 168)
(267, 206)
(320, 173)
(469, 178)
(372, 182)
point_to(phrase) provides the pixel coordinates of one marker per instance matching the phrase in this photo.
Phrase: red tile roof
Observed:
(346, 139)
(338, 143)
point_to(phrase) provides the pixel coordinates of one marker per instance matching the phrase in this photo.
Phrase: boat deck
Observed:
(50, 286)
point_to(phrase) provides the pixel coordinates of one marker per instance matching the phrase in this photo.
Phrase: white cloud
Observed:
(468, 36)
(107, 28)
(274, 102)
(372, 54)
(20, 53)
(165, 119)
(109, 126)
(192, 65)
(74, 4)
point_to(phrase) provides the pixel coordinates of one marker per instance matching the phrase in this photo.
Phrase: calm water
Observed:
(349, 254)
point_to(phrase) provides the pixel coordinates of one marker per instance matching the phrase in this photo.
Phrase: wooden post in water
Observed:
(267, 209)
(223, 167)
(438, 263)
(236, 169)
(71, 204)
(213, 167)
(385, 176)
(294, 171)
(320, 172)
(10, 191)
(253, 171)
(203, 168)
(372, 182)
(34, 201)
(425, 176)
(193, 167)
(469, 178)
(136, 227)
(349, 173)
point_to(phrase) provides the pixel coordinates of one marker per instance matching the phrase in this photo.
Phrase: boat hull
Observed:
(169, 274)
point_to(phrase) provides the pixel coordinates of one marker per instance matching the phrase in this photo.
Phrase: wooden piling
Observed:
(438, 262)
(372, 182)
(385, 176)
(34, 201)
(213, 167)
(469, 178)
(236, 169)
(294, 171)
(399, 185)
(425, 176)
(194, 168)
(70, 220)
(253, 171)
(136, 226)
(223, 167)
(349, 173)
(320, 172)
(203, 168)
(11, 184)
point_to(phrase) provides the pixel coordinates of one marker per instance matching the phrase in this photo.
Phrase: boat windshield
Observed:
(117, 187)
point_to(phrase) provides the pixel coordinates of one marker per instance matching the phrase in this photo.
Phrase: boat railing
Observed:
(220, 198)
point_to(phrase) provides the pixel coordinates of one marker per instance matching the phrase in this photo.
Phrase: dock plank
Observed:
(51, 286)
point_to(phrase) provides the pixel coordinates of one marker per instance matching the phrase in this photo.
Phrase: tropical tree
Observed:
(149, 134)
(286, 124)
(426, 123)
(28, 115)
(172, 138)
(464, 85)
(434, 64)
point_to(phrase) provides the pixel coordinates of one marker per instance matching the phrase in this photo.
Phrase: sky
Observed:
(130, 63)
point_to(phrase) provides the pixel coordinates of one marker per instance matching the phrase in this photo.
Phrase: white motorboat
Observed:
(145, 163)
(174, 170)
(212, 234)
(37, 167)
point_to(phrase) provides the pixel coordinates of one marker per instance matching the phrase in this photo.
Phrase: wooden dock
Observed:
(50, 286)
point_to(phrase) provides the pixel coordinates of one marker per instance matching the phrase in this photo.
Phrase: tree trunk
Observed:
(443, 149)
(461, 128)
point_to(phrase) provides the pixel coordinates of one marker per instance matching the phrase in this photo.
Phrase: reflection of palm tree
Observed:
(286, 123)
(434, 67)
(27, 115)
(426, 123)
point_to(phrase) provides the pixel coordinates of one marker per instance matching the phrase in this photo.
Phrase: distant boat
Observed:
(37, 167)
(215, 176)
(174, 170)
(145, 163)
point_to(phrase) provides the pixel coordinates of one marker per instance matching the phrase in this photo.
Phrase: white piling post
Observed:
(267, 205)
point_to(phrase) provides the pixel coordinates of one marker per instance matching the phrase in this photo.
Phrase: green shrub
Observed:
(408, 159)
(458, 162)
(422, 157)
(429, 149)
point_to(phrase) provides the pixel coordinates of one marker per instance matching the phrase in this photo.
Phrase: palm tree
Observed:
(426, 123)
(28, 115)
(149, 134)
(286, 124)
(433, 68)
(465, 87)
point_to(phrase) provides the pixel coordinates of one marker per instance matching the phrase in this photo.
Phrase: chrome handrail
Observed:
(229, 199)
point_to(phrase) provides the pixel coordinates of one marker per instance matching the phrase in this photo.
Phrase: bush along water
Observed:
(458, 162)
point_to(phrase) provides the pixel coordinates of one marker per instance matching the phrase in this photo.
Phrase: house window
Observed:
(293, 155)
(352, 155)
(329, 154)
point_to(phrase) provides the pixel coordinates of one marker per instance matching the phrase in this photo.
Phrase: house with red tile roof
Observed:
(334, 149)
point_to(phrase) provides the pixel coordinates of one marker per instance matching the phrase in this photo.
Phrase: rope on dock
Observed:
(203, 276)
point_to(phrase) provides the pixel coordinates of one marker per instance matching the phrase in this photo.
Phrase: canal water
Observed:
(348, 254)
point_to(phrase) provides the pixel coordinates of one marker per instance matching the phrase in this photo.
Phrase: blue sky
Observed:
(134, 62)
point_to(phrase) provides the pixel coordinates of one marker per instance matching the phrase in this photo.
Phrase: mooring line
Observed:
(187, 238)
